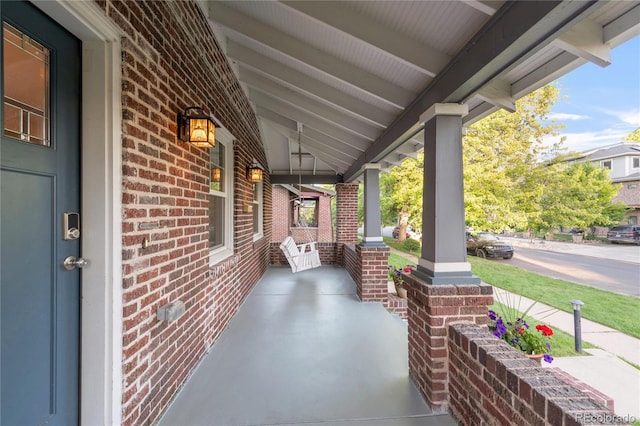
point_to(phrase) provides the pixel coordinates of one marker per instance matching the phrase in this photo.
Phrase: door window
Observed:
(26, 88)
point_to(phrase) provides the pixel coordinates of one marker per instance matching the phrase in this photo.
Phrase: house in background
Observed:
(623, 162)
(311, 221)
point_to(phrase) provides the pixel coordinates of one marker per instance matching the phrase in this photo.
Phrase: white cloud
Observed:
(629, 117)
(585, 141)
(561, 116)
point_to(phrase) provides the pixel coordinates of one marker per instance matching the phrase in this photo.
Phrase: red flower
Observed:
(547, 331)
(522, 330)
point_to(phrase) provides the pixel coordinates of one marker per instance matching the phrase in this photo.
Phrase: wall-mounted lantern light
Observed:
(196, 127)
(254, 173)
(216, 174)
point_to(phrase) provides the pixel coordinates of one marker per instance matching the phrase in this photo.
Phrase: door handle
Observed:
(72, 262)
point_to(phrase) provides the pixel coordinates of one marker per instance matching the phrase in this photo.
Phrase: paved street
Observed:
(606, 274)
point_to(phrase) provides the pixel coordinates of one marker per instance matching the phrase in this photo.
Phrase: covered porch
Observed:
(303, 349)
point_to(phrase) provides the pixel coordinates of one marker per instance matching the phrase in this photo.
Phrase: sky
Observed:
(600, 106)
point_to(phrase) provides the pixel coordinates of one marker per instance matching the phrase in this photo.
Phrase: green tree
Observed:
(401, 194)
(633, 136)
(502, 164)
(579, 195)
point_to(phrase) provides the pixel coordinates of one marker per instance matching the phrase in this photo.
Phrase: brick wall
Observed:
(492, 383)
(346, 216)
(327, 254)
(431, 308)
(165, 199)
(325, 224)
(351, 264)
(398, 306)
(281, 214)
(374, 267)
(282, 225)
(629, 193)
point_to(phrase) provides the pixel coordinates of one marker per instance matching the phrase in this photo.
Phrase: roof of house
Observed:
(628, 178)
(610, 151)
(338, 85)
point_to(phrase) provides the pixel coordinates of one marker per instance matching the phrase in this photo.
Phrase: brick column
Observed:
(346, 217)
(431, 308)
(373, 262)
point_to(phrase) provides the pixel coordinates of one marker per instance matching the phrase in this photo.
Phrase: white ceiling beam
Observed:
(485, 6)
(624, 28)
(268, 153)
(331, 157)
(420, 57)
(276, 118)
(323, 140)
(303, 83)
(329, 160)
(586, 40)
(284, 94)
(479, 112)
(552, 70)
(313, 136)
(305, 53)
(498, 93)
(408, 150)
(338, 165)
(308, 119)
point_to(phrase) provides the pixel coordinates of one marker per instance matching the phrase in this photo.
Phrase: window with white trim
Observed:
(635, 162)
(221, 197)
(257, 211)
(606, 164)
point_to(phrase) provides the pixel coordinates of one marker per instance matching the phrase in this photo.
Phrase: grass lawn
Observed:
(610, 309)
(398, 261)
(604, 307)
(408, 246)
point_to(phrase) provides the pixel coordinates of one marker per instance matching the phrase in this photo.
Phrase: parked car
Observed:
(416, 235)
(624, 234)
(485, 244)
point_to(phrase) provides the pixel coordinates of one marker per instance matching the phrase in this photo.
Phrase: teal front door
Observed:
(39, 183)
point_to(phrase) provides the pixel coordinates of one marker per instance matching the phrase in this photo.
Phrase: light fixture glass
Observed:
(215, 174)
(196, 127)
(254, 173)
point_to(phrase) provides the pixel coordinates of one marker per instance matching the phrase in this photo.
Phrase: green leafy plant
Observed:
(509, 325)
(395, 274)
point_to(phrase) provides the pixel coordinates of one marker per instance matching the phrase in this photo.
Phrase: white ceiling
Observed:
(343, 83)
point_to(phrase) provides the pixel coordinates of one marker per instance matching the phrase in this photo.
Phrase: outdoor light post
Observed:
(576, 324)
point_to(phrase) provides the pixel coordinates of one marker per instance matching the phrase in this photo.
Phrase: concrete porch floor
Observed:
(302, 349)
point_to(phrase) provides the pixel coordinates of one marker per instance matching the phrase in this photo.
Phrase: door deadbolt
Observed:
(72, 262)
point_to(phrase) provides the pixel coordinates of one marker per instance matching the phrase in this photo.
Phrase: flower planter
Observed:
(577, 238)
(401, 292)
(536, 357)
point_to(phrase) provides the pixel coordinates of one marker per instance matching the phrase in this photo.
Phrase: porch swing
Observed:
(300, 256)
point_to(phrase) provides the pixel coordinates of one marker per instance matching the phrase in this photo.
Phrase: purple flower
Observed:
(548, 345)
(492, 315)
(497, 334)
(548, 358)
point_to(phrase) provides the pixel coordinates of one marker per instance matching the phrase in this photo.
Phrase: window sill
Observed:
(218, 255)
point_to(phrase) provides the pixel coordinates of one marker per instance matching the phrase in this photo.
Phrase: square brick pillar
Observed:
(431, 308)
(373, 262)
(346, 217)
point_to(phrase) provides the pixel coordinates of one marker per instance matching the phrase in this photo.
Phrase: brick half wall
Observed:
(328, 254)
(492, 383)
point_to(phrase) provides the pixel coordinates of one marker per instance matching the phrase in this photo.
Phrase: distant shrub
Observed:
(411, 245)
